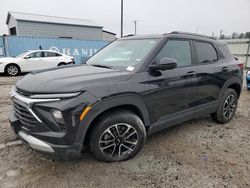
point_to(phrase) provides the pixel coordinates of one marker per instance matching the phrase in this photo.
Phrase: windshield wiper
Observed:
(102, 66)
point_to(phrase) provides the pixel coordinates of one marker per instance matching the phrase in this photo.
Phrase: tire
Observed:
(12, 70)
(61, 64)
(108, 146)
(227, 107)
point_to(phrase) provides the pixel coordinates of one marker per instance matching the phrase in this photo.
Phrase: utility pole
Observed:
(121, 18)
(135, 22)
(248, 53)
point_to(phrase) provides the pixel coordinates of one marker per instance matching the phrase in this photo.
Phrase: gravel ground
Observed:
(198, 153)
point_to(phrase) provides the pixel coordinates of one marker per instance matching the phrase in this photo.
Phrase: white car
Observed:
(33, 60)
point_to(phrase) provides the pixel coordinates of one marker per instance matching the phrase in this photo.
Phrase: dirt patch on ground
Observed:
(198, 153)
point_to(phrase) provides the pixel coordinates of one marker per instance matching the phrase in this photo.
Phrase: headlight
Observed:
(53, 96)
(57, 114)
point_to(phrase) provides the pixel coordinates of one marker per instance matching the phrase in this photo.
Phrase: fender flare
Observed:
(106, 104)
(234, 80)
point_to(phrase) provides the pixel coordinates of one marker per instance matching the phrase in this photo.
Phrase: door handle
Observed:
(225, 69)
(191, 74)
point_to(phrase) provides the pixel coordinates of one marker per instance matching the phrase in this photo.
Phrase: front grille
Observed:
(24, 116)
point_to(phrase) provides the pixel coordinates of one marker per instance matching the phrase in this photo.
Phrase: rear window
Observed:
(225, 51)
(52, 54)
(206, 52)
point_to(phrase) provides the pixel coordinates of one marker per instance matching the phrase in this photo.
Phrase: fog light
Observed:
(58, 116)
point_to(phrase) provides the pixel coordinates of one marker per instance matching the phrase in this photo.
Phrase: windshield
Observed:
(126, 54)
(23, 54)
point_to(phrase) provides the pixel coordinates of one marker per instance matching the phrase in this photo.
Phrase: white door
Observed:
(51, 59)
(34, 61)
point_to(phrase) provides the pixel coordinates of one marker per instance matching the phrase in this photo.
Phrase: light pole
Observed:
(121, 18)
(135, 22)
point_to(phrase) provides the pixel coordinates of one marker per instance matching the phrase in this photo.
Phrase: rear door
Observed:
(173, 91)
(211, 72)
(52, 59)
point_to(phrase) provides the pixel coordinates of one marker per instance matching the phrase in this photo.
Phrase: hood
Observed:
(6, 59)
(69, 79)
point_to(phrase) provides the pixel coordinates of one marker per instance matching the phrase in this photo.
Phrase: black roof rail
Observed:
(192, 34)
(130, 35)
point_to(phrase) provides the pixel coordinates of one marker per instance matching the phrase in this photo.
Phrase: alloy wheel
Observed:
(229, 106)
(118, 140)
(12, 70)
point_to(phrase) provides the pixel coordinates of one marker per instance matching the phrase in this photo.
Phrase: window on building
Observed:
(13, 31)
(65, 37)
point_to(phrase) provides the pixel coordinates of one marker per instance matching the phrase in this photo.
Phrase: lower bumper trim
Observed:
(36, 143)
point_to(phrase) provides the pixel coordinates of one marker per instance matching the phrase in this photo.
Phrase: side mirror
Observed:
(26, 57)
(164, 64)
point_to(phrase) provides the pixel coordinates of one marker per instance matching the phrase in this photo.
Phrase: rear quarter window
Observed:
(224, 50)
(206, 52)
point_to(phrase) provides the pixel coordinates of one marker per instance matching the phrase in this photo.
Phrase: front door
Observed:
(34, 61)
(172, 91)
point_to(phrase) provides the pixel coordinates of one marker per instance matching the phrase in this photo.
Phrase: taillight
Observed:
(72, 61)
(241, 65)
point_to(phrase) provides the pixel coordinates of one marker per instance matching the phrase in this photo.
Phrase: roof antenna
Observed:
(197, 29)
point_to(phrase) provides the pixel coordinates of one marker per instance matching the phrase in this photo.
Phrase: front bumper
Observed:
(2, 67)
(38, 144)
(32, 121)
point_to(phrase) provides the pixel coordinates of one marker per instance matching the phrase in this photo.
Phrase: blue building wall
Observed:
(1, 47)
(79, 49)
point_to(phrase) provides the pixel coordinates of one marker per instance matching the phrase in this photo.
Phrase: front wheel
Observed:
(117, 136)
(227, 107)
(12, 70)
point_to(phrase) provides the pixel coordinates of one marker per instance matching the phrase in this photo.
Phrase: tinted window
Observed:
(206, 52)
(177, 49)
(51, 54)
(36, 55)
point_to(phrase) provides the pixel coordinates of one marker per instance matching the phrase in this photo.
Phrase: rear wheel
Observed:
(227, 107)
(61, 64)
(117, 136)
(12, 70)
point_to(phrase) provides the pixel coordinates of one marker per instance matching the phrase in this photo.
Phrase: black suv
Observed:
(132, 88)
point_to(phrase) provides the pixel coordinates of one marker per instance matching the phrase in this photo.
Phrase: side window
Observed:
(36, 55)
(57, 54)
(177, 49)
(206, 52)
(50, 54)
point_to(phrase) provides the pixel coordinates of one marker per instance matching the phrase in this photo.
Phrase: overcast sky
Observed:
(154, 16)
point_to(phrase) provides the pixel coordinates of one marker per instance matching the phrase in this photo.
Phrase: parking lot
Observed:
(199, 153)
